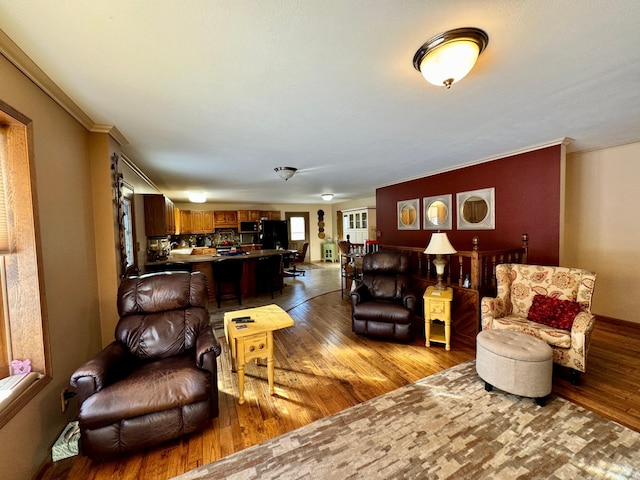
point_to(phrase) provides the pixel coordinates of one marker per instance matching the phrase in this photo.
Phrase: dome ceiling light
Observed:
(446, 58)
(327, 196)
(285, 173)
(197, 197)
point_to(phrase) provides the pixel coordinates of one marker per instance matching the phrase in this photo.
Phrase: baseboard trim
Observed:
(618, 321)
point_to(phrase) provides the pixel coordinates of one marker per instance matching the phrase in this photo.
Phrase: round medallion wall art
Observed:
(321, 224)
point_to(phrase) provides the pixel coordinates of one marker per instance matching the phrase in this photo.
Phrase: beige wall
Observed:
(65, 209)
(101, 148)
(602, 226)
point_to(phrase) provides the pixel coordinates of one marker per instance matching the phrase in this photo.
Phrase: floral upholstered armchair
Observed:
(550, 303)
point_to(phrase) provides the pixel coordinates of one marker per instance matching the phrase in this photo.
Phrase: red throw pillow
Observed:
(553, 312)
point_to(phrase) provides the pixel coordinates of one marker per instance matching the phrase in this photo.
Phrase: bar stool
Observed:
(227, 275)
(269, 271)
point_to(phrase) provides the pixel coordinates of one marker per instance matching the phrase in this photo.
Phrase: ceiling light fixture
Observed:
(197, 197)
(285, 173)
(327, 196)
(448, 57)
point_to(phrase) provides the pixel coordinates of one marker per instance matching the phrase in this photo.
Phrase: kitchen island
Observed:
(206, 264)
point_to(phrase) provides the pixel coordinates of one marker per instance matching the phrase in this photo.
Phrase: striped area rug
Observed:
(443, 426)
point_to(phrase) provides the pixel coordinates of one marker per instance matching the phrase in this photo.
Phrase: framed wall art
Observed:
(437, 212)
(408, 214)
(476, 209)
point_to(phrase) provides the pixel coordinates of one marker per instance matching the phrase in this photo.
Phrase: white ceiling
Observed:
(212, 95)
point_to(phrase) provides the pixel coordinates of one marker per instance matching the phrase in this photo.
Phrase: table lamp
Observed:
(439, 246)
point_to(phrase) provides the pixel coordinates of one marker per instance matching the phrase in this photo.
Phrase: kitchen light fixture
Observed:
(285, 173)
(327, 196)
(449, 56)
(197, 197)
(440, 246)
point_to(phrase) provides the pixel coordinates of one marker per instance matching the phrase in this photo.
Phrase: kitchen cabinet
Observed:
(185, 222)
(270, 214)
(203, 251)
(207, 221)
(225, 219)
(195, 222)
(248, 215)
(159, 216)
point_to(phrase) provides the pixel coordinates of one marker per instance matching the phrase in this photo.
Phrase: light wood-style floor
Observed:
(323, 368)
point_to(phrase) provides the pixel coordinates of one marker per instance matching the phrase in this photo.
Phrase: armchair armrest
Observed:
(206, 343)
(98, 372)
(359, 294)
(409, 299)
(581, 331)
(490, 309)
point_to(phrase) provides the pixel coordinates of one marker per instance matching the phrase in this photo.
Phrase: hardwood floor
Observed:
(323, 368)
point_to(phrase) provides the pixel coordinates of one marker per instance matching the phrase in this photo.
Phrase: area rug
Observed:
(443, 426)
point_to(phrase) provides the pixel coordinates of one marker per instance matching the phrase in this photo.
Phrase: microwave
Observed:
(248, 227)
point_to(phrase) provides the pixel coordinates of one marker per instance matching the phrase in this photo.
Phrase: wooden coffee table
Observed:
(249, 341)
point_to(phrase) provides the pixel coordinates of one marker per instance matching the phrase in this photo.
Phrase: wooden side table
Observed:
(437, 306)
(249, 341)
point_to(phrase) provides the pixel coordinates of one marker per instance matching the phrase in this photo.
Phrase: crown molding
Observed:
(138, 171)
(560, 141)
(33, 72)
(112, 130)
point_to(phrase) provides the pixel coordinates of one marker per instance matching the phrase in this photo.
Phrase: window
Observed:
(297, 228)
(23, 326)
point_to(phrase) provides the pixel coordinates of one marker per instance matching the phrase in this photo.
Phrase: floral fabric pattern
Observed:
(518, 285)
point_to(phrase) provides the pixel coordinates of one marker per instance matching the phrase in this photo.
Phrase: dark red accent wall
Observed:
(527, 195)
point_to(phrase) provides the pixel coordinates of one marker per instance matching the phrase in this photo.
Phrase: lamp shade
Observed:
(327, 196)
(439, 245)
(450, 56)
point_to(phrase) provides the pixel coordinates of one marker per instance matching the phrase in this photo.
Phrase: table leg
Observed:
(427, 331)
(270, 366)
(240, 361)
(447, 334)
(241, 382)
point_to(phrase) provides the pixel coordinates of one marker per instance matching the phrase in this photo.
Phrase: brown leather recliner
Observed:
(158, 379)
(383, 305)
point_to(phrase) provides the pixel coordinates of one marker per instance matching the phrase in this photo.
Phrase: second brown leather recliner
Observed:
(158, 379)
(383, 305)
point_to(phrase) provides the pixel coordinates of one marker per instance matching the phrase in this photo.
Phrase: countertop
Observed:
(188, 258)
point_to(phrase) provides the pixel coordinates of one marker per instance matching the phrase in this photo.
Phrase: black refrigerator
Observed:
(274, 234)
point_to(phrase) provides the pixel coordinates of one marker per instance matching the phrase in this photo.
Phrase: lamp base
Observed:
(440, 262)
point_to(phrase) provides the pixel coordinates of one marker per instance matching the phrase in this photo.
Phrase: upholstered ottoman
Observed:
(515, 362)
